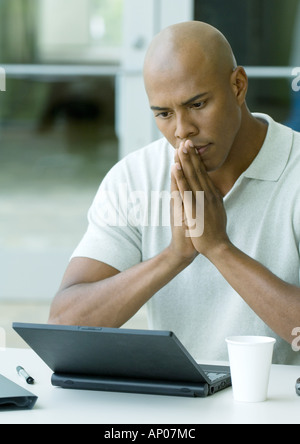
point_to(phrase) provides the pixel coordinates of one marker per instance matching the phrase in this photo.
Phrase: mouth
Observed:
(203, 148)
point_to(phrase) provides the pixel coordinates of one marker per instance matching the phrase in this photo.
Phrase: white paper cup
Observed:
(250, 359)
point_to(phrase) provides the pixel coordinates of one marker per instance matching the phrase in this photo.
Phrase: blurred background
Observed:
(74, 104)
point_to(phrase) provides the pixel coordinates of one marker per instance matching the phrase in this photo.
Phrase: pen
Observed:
(21, 372)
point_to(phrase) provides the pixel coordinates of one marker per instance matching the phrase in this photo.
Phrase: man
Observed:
(241, 275)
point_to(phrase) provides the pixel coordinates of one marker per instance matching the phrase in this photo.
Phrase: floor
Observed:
(47, 183)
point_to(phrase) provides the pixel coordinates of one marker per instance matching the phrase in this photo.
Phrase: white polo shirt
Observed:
(129, 223)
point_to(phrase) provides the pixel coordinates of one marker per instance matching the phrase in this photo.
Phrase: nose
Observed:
(185, 128)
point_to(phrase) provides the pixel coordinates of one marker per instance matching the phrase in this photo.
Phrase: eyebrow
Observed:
(189, 101)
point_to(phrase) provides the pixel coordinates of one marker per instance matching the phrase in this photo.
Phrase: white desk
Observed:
(60, 406)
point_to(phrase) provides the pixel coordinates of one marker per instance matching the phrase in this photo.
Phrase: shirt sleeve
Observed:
(111, 237)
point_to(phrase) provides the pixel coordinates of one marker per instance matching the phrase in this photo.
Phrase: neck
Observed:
(245, 148)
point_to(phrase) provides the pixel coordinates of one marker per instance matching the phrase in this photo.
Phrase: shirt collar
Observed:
(273, 156)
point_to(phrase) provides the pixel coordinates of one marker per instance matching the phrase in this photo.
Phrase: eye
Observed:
(163, 115)
(198, 105)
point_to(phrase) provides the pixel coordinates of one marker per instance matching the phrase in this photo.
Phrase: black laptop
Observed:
(122, 360)
(13, 396)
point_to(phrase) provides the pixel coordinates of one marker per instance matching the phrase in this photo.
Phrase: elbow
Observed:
(55, 319)
(58, 314)
(60, 319)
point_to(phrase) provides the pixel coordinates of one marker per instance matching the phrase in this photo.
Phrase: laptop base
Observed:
(168, 388)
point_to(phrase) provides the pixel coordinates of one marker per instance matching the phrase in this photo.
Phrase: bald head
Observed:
(196, 91)
(195, 44)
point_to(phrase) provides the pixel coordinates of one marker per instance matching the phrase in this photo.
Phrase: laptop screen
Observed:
(147, 354)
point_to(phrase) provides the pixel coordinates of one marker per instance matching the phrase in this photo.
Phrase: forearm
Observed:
(113, 301)
(276, 302)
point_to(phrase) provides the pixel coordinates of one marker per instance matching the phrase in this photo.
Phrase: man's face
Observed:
(190, 103)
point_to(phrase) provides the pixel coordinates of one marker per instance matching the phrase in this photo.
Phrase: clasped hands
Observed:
(198, 215)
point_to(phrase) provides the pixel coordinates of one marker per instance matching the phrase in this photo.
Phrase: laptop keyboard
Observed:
(215, 376)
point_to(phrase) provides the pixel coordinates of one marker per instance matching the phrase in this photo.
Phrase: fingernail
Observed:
(178, 166)
(185, 150)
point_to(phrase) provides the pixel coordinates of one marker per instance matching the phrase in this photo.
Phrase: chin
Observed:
(211, 166)
(213, 163)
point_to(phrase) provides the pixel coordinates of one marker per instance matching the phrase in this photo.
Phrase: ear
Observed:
(239, 82)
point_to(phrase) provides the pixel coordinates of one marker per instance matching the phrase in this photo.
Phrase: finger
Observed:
(176, 157)
(198, 164)
(176, 203)
(195, 170)
(210, 190)
(188, 198)
(192, 168)
(174, 186)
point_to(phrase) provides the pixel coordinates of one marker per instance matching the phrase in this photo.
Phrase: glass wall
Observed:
(57, 133)
(35, 31)
(263, 34)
